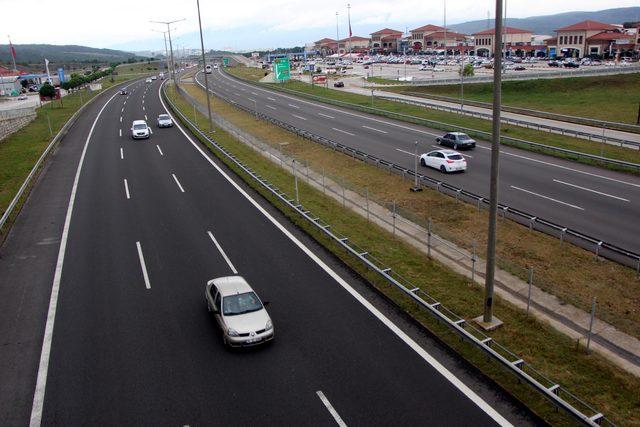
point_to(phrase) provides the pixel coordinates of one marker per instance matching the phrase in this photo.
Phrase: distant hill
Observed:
(548, 23)
(36, 53)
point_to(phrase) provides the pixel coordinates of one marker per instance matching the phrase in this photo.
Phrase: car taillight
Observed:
(449, 161)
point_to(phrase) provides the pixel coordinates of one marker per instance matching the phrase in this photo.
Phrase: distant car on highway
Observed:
(571, 64)
(238, 311)
(124, 92)
(164, 121)
(553, 64)
(338, 84)
(148, 81)
(457, 140)
(154, 78)
(444, 160)
(140, 130)
(207, 69)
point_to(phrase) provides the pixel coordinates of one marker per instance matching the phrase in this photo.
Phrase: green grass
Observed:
(550, 352)
(612, 98)
(554, 140)
(141, 68)
(383, 81)
(20, 151)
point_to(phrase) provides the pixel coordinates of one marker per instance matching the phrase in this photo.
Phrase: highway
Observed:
(103, 317)
(594, 201)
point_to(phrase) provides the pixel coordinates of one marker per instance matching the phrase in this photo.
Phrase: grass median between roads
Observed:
(546, 138)
(611, 98)
(20, 151)
(549, 351)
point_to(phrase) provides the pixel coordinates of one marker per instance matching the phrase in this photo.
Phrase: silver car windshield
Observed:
(240, 304)
(463, 137)
(163, 117)
(139, 127)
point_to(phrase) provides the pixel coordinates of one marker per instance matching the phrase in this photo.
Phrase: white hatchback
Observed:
(444, 160)
(239, 312)
(139, 129)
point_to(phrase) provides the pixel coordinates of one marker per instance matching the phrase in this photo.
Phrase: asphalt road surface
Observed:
(594, 201)
(124, 231)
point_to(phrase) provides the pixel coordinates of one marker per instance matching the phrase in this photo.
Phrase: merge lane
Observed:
(519, 169)
(156, 354)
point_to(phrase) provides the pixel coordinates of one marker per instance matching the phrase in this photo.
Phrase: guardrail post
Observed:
(393, 216)
(562, 235)
(598, 246)
(49, 123)
(530, 285)
(474, 258)
(366, 200)
(429, 226)
(593, 315)
(295, 181)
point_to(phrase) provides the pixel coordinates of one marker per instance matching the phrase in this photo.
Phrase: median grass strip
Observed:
(616, 287)
(550, 352)
(546, 138)
(611, 98)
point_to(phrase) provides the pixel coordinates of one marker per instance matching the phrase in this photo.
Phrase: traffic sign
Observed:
(281, 68)
(225, 61)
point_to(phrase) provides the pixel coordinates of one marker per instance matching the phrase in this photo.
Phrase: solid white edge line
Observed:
(126, 188)
(590, 190)
(546, 197)
(43, 367)
(223, 253)
(331, 409)
(160, 150)
(175, 178)
(143, 265)
(470, 394)
(121, 153)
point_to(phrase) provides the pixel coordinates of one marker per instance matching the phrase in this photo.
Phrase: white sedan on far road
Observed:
(444, 160)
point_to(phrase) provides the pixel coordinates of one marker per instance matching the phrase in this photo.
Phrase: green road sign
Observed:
(281, 68)
(225, 61)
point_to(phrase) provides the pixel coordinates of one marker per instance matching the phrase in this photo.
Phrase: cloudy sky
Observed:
(248, 24)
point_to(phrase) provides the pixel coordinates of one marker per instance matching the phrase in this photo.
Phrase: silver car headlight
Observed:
(269, 325)
(232, 332)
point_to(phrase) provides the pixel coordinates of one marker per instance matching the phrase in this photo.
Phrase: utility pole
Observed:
(173, 64)
(462, 76)
(488, 320)
(337, 35)
(349, 19)
(204, 65)
(445, 30)
(166, 51)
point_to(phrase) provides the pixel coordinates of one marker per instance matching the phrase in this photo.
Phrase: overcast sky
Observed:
(246, 24)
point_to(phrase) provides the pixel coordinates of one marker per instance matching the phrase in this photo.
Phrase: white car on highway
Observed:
(164, 121)
(444, 160)
(239, 312)
(139, 129)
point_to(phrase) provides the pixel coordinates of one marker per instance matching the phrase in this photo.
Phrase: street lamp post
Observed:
(204, 65)
(416, 187)
(173, 64)
(487, 320)
(166, 51)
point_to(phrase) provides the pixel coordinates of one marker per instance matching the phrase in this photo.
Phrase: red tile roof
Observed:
(505, 30)
(440, 35)
(610, 36)
(587, 25)
(354, 39)
(325, 40)
(387, 31)
(428, 27)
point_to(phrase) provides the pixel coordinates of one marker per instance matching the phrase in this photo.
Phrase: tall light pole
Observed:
(349, 19)
(445, 29)
(487, 318)
(337, 35)
(166, 51)
(204, 65)
(173, 64)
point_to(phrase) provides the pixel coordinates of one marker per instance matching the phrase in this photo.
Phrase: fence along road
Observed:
(579, 197)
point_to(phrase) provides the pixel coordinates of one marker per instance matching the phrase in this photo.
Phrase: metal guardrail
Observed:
(598, 246)
(634, 167)
(626, 127)
(61, 133)
(522, 123)
(551, 390)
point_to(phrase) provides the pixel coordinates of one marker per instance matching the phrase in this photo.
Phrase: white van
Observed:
(140, 130)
